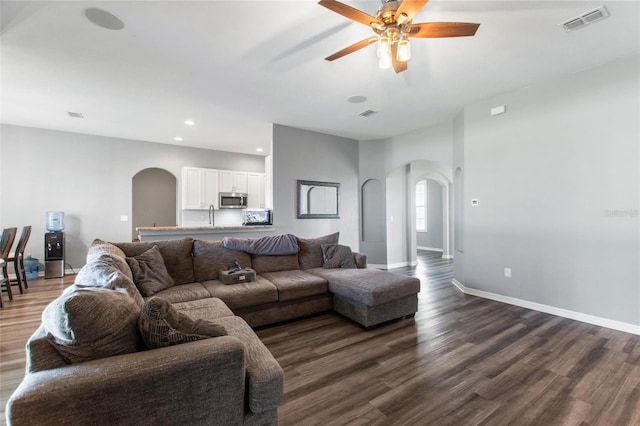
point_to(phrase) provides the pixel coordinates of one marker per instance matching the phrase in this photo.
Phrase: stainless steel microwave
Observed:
(233, 200)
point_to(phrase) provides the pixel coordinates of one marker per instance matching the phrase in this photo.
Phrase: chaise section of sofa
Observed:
(201, 382)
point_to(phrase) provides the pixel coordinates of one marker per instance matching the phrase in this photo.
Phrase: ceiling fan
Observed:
(393, 27)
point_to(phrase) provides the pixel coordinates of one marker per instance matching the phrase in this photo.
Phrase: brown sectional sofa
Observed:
(225, 380)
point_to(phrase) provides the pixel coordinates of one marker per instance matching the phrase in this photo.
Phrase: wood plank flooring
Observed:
(462, 360)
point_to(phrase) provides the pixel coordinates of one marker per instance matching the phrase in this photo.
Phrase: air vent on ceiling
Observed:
(75, 114)
(585, 19)
(367, 113)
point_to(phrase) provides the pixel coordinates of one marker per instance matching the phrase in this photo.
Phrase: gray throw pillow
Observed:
(337, 256)
(87, 323)
(149, 272)
(161, 325)
(310, 250)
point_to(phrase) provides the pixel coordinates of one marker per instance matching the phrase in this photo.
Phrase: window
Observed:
(421, 206)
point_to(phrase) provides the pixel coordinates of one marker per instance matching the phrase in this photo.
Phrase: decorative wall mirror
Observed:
(318, 200)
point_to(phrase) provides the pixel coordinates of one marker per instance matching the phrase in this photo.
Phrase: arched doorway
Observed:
(429, 216)
(153, 199)
(401, 242)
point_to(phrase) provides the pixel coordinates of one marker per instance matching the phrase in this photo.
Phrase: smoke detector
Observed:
(585, 19)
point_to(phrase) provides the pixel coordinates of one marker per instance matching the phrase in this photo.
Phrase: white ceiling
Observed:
(235, 67)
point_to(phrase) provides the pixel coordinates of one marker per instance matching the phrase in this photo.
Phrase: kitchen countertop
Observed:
(217, 233)
(201, 228)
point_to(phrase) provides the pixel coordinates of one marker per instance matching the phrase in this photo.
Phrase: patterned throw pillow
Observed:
(161, 325)
(87, 323)
(337, 256)
(149, 272)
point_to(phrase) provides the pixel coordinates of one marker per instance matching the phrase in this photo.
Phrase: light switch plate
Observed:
(124, 218)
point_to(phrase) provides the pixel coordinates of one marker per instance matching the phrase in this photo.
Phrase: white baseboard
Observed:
(392, 265)
(430, 249)
(447, 256)
(565, 313)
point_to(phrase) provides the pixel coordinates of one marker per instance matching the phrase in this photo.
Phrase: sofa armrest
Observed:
(360, 260)
(197, 382)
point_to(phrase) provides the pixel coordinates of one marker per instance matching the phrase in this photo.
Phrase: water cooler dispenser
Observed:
(54, 246)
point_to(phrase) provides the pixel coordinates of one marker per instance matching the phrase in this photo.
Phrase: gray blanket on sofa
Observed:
(269, 246)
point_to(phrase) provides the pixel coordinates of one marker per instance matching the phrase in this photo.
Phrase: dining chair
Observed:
(8, 235)
(17, 258)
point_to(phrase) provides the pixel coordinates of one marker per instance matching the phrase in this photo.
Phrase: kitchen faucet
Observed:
(212, 220)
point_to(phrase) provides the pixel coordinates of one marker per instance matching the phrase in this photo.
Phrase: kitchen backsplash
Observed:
(201, 218)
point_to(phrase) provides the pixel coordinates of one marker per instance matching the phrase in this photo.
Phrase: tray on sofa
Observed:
(235, 276)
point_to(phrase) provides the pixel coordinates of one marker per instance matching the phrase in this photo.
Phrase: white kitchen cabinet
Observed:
(233, 181)
(255, 190)
(199, 188)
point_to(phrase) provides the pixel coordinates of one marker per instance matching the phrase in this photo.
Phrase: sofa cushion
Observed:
(205, 309)
(161, 325)
(176, 255)
(242, 295)
(310, 254)
(184, 293)
(293, 285)
(86, 323)
(149, 272)
(265, 377)
(102, 272)
(369, 287)
(211, 256)
(262, 264)
(100, 248)
(337, 256)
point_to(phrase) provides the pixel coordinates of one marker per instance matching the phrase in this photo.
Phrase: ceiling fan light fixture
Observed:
(385, 61)
(402, 18)
(403, 53)
(384, 47)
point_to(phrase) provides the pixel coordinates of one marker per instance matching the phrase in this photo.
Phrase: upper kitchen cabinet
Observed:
(199, 188)
(255, 190)
(233, 181)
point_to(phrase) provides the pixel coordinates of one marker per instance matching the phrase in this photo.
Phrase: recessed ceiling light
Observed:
(189, 122)
(103, 19)
(178, 138)
(357, 99)
(259, 149)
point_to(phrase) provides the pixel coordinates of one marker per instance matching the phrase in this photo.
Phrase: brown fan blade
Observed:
(410, 8)
(442, 29)
(355, 46)
(349, 12)
(398, 66)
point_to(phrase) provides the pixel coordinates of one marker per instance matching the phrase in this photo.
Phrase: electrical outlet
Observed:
(507, 272)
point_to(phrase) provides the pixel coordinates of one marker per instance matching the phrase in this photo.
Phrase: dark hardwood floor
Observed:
(462, 360)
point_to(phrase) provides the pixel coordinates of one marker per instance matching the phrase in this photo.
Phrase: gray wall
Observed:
(433, 237)
(300, 154)
(398, 227)
(89, 178)
(559, 185)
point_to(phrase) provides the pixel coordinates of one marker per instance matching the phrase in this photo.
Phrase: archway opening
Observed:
(429, 216)
(153, 199)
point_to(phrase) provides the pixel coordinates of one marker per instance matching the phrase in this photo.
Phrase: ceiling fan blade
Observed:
(398, 66)
(442, 29)
(349, 12)
(410, 8)
(350, 49)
